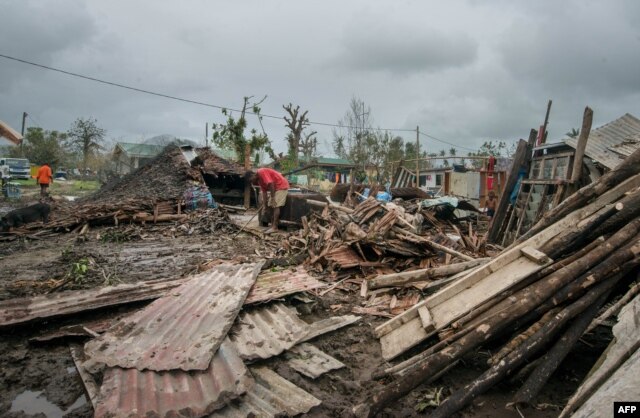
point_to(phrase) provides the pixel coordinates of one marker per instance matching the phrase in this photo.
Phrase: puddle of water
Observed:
(32, 403)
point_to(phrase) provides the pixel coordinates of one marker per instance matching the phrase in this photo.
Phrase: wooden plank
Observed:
(503, 204)
(426, 319)
(401, 339)
(543, 181)
(582, 144)
(506, 257)
(457, 306)
(535, 255)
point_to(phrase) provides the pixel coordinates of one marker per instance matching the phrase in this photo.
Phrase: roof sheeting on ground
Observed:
(275, 285)
(310, 361)
(23, 310)
(610, 144)
(267, 331)
(181, 330)
(132, 393)
(328, 325)
(271, 396)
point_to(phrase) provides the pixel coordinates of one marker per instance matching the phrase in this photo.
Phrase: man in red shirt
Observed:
(276, 185)
(44, 178)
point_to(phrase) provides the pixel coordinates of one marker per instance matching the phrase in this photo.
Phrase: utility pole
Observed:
(417, 156)
(206, 135)
(24, 119)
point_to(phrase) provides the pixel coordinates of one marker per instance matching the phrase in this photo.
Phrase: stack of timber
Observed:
(543, 291)
(386, 238)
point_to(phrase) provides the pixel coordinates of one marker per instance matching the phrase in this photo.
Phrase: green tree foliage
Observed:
(573, 133)
(42, 146)
(86, 138)
(488, 148)
(231, 135)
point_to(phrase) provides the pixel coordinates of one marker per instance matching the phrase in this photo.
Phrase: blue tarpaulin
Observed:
(199, 197)
(381, 196)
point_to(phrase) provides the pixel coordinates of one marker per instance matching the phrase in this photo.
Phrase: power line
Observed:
(446, 142)
(168, 96)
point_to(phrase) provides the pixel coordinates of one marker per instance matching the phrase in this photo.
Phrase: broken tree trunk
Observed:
(630, 209)
(628, 168)
(575, 237)
(615, 308)
(554, 357)
(505, 315)
(589, 303)
(408, 277)
(534, 278)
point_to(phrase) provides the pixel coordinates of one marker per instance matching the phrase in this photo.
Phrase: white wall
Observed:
(466, 184)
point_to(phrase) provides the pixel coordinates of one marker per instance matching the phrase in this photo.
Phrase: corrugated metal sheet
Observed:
(267, 331)
(132, 393)
(275, 285)
(602, 139)
(328, 325)
(310, 361)
(344, 257)
(181, 330)
(271, 396)
(23, 310)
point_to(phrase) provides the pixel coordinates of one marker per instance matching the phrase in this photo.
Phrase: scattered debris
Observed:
(311, 362)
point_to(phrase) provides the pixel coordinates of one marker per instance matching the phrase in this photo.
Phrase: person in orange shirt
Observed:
(44, 178)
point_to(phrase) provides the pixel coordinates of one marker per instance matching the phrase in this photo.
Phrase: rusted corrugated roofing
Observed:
(181, 330)
(271, 396)
(310, 361)
(603, 140)
(344, 257)
(275, 285)
(132, 393)
(23, 310)
(267, 331)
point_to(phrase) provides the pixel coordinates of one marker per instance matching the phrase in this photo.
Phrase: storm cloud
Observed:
(464, 71)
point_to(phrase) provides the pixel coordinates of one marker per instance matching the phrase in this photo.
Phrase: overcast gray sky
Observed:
(464, 71)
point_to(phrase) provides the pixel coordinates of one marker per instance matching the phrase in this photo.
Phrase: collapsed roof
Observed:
(610, 144)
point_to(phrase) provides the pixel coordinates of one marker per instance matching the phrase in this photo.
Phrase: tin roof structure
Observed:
(610, 144)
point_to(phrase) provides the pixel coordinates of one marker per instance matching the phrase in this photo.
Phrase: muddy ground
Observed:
(39, 379)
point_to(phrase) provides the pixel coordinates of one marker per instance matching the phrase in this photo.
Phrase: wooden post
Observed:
(582, 144)
(247, 167)
(503, 204)
(418, 156)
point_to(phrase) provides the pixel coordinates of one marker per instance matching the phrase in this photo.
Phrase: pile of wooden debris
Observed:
(378, 238)
(544, 291)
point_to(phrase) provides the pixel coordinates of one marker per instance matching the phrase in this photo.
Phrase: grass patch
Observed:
(69, 187)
